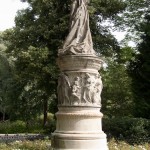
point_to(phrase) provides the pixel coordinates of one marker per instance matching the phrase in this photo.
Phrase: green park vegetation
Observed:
(45, 145)
(28, 70)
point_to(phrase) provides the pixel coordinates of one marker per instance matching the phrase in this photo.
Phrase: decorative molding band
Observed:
(59, 114)
(75, 62)
(81, 136)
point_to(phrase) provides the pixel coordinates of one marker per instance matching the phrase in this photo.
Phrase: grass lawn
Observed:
(113, 145)
(26, 145)
(44, 145)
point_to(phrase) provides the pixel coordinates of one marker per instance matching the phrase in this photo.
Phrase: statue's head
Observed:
(77, 78)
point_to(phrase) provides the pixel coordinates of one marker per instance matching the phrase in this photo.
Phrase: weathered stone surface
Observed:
(79, 120)
(79, 84)
(81, 63)
(79, 128)
(79, 40)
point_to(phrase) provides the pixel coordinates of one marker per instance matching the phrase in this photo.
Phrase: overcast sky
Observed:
(8, 10)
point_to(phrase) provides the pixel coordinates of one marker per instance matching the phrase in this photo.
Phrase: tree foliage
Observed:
(140, 71)
(33, 43)
(40, 30)
(117, 97)
(6, 78)
(130, 19)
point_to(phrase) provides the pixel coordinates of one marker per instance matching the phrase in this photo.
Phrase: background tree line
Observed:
(28, 52)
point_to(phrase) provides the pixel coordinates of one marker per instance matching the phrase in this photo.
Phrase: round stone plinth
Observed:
(78, 120)
(80, 63)
(79, 141)
(79, 128)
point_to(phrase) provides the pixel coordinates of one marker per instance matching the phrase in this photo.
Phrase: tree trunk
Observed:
(3, 114)
(45, 111)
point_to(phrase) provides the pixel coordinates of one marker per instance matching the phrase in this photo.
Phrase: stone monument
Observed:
(79, 88)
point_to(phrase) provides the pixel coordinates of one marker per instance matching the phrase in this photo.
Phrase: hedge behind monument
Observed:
(132, 130)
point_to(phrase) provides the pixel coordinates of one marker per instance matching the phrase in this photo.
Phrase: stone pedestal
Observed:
(79, 120)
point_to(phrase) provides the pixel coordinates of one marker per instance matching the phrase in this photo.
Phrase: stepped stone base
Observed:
(79, 142)
(79, 128)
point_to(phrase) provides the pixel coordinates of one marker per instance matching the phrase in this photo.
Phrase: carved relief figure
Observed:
(76, 91)
(79, 39)
(63, 89)
(97, 90)
(88, 88)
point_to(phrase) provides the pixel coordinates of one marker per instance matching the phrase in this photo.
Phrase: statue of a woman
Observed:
(88, 88)
(79, 40)
(63, 89)
(97, 90)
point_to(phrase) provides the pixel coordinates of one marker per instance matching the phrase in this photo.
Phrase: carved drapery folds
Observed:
(63, 89)
(79, 40)
(81, 90)
(78, 55)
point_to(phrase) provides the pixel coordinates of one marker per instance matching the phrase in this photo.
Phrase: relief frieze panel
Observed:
(84, 89)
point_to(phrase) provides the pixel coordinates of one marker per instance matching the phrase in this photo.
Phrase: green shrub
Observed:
(134, 130)
(50, 117)
(8, 127)
(18, 126)
(32, 126)
(50, 124)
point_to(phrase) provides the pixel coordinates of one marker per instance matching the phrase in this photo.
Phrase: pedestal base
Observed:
(79, 142)
(79, 120)
(79, 129)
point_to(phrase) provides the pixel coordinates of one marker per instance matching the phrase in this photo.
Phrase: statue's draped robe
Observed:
(79, 39)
